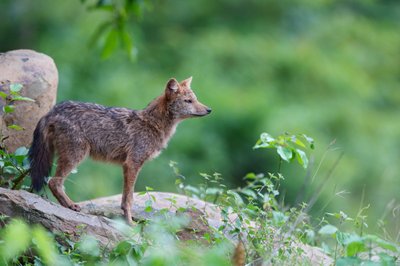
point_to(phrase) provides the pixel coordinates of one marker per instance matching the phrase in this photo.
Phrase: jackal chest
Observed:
(162, 143)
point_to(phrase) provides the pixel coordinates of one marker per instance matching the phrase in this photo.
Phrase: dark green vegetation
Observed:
(329, 69)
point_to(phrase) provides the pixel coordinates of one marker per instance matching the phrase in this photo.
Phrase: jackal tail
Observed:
(40, 155)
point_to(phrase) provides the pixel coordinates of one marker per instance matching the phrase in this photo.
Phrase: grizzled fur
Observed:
(75, 130)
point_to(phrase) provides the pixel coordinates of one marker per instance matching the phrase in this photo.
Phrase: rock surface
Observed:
(39, 77)
(57, 219)
(203, 216)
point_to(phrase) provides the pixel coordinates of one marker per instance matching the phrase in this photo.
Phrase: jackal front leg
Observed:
(131, 171)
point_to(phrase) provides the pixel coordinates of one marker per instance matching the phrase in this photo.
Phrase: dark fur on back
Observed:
(41, 157)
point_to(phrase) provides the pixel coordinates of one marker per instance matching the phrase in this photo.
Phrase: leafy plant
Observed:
(288, 146)
(263, 230)
(10, 93)
(36, 243)
(13, 166)
(115, 31)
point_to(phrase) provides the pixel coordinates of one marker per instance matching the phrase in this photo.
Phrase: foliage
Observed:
(288, 147)
(264, 229)
(116, 29)
(10, 93)
(272, 232)
(325, 68)
(13, 166)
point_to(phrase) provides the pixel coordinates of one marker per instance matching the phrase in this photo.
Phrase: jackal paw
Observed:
(75, 207)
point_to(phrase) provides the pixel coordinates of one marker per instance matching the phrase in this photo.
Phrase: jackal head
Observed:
(182, 102)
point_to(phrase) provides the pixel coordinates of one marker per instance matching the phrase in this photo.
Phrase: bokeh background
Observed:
(329, 69)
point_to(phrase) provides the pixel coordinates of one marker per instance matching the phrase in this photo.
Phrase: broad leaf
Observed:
(3, 94)
(8, 109)
(285, 153)
(110, 44)
(382, 243)
(21, 151)
(302, 158)
(328, 230)
(15, 239)
(15, 87)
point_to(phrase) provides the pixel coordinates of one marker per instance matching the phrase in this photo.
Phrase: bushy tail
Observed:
(40, 155)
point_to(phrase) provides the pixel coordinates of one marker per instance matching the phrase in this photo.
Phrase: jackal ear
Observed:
(172, 86)
(186, 83)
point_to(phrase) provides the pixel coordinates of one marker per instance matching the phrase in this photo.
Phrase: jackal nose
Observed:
(209, 110)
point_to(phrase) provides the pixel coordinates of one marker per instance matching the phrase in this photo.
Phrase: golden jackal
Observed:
(74, 130)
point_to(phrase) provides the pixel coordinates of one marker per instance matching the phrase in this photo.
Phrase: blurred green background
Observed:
(330, 69)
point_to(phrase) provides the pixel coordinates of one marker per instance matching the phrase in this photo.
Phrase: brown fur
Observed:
(74, 130)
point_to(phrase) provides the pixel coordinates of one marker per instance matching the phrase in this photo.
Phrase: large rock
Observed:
(203, 217)
(39, 77)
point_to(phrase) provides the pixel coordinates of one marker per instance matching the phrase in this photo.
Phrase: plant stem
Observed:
(17, 181)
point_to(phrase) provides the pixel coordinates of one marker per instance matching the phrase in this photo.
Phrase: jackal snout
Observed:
(182, 101)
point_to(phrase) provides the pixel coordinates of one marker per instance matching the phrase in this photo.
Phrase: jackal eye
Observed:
(188, 101)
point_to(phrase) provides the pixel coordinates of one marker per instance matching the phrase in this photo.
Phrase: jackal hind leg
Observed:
(131, 171)
(65, 165)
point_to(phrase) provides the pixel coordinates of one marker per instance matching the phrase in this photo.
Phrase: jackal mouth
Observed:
(200, 115)
(207, 111)
(203, 114)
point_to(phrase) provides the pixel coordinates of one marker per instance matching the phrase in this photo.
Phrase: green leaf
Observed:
(89, 245)
(266, 138)
(21, 151)
(355, 247)
(15, 239)
(45, 245)
(15, 127)
(8, 109)
(148, 204)
(11, 170)
(214, 191)
(309, 140)
(22, 98)
(354, 244)
(285, 153)
(279, 218)
(298, 142)
(302, 158)
(110, 44)
(101, 29)
(265, 141)
(128, 44)
(3, 95)
(328, 230)
(248, 192)
(193, 190)
(15, 87)
(122, 249)
(237, 199)
(382, 243)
